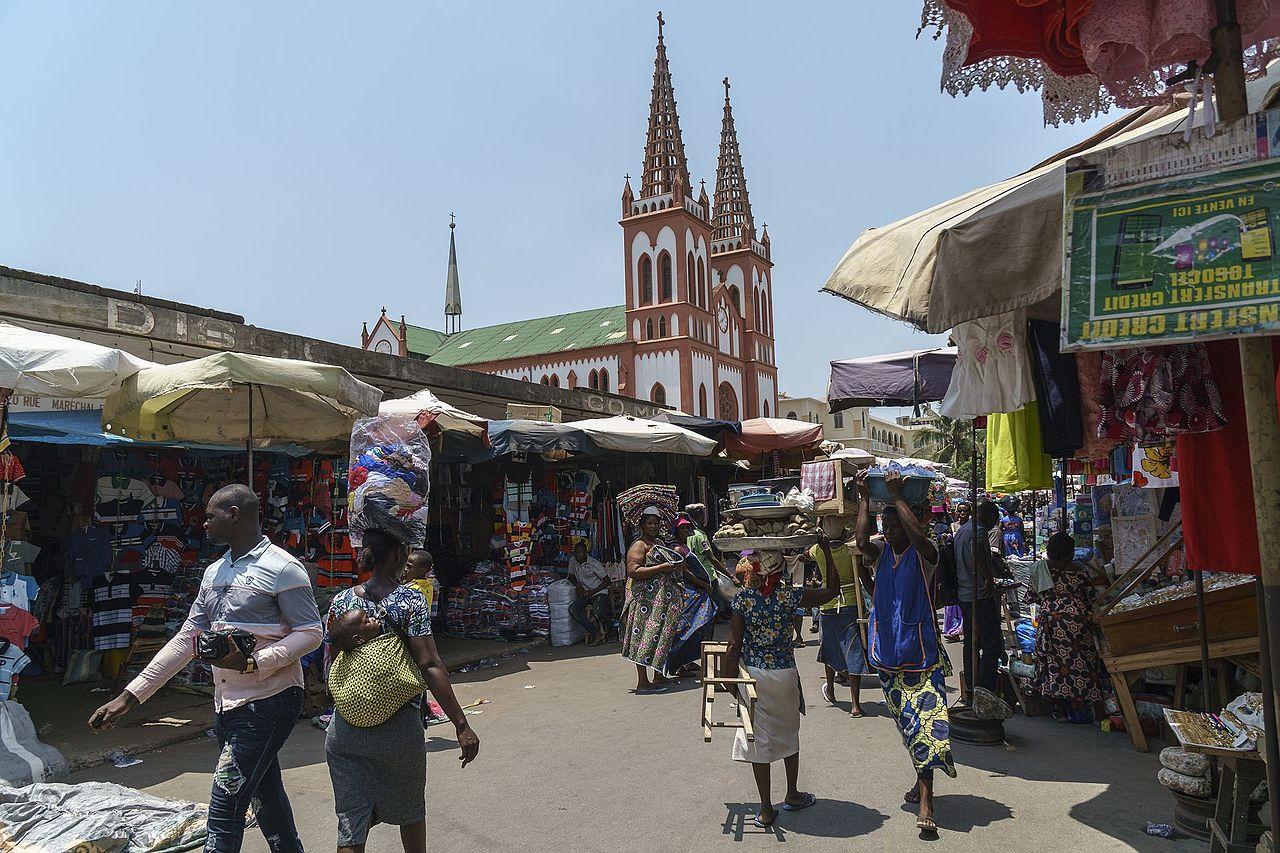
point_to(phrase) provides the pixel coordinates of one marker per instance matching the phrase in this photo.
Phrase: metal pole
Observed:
(1268, 708)
(1205, 693)
(248, 443)
(1258, 371)
(1034, 529)
(972, 630)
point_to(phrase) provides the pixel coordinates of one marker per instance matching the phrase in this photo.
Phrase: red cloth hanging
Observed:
(1032, 29)
(1218, 521)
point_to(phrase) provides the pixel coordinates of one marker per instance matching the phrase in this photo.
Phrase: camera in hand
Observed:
(215, 645)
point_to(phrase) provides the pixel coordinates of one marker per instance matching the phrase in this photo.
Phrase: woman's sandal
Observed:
(856, 714)
(758, 820)
(926, 824)
(809, 799)
(912, 796)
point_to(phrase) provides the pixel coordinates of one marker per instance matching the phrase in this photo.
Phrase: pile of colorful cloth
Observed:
(388, 480)
(483, 606)
(634, 501)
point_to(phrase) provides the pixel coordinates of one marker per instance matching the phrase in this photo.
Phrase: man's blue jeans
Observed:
(248, 772)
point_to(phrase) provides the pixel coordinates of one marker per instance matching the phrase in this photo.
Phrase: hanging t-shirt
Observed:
(12, 661)
(88, 552)
(121, 498)
(993, 370)
(20, 590)
(1057, 390)
(112, 603)
(16, 624)
(1016, 460)
(18, 555)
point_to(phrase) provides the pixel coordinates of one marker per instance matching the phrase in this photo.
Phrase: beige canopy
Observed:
(210, 400)
(994, 249)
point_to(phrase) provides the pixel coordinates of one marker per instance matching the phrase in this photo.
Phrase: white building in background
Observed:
(855, 427)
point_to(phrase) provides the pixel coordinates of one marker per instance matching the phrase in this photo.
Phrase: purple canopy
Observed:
(898, 379)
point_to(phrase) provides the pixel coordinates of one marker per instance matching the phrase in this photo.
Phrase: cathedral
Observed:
(696, 331)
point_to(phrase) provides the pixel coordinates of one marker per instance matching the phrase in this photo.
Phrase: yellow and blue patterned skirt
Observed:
(918, 704)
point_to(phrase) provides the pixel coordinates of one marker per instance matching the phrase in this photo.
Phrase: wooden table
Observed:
(1239, 772)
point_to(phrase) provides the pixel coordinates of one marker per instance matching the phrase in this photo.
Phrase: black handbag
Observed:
(215, 645)
(948, 586)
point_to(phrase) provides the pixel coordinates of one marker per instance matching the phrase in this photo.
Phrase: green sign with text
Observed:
(1174, 260)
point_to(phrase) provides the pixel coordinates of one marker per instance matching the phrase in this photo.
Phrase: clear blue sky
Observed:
(296, 162)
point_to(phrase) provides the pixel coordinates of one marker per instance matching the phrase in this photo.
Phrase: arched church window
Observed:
(665, 289)
(646, 281)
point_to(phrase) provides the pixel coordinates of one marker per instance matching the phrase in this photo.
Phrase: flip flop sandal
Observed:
(912, 796)
(927, 824)
(856, 714)
(809, 799)
(759, 821)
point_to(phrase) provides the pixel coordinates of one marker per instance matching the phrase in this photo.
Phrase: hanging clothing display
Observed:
(993, 369)
(1219, 522)
(1089, 375)
(1151, 394)
(1057, 390)
(1155, 466)
(1016, 460)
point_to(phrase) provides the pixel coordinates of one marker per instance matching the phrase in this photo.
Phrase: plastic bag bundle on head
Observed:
(389, 479)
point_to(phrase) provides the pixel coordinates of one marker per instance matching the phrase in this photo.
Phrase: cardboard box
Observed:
(522, 412)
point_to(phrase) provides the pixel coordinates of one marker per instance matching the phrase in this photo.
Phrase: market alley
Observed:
(572, 760)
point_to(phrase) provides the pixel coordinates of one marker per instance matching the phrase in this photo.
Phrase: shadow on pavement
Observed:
(964, 812)
(825, 819)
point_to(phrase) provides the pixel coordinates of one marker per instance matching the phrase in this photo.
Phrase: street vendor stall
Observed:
(1167, 244)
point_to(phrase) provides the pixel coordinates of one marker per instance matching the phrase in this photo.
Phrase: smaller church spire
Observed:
(452, 287)
(733, 207)
(627, 196)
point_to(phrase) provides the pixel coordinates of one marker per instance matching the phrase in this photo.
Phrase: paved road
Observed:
(572, 761)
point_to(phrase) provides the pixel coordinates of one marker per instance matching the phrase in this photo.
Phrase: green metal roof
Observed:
(423, 341)
(540, 336)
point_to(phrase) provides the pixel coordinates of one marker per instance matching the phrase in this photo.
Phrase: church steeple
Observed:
(733, 222)
(452, 287)
(665, 168)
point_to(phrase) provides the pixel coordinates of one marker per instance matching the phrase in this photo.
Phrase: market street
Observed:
(577, 762)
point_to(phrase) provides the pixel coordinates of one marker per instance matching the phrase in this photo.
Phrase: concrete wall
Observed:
(166, 332)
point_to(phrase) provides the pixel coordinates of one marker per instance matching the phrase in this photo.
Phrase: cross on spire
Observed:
(665, 166)
(733, 207)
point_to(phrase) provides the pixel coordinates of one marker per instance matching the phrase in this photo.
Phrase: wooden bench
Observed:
(713, 654)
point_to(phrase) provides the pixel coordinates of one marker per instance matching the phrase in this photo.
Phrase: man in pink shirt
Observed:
(262, 589)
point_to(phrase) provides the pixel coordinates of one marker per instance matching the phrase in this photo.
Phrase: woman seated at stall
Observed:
(1068, 668)
(760, 638)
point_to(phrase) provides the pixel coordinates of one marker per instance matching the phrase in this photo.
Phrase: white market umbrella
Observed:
(993, 249)
(34, 362)
(429, 409)
(637, 435)
(234, 398)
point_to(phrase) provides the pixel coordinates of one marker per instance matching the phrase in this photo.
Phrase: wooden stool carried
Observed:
(712, 656)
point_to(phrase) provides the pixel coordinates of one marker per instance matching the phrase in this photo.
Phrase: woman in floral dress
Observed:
(760, 638)
(1068, 668)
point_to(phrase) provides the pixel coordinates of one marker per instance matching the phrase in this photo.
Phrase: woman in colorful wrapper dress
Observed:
(761, 636)
(1068, 668)
(655, 602)
(903, 641)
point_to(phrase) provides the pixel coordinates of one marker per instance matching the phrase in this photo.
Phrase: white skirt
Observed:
(779, 704)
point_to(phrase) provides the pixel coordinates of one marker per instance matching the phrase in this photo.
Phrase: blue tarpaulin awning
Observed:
(83, 427)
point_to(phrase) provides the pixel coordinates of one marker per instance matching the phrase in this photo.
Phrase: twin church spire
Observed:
(666, 169)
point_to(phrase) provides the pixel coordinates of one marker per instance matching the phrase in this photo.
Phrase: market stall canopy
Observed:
(83, 428)
(898, 379)
(34, 362)
(764, 435)
(208, 400)
(709, 427)
(637, 435)
(537, 437)
(994, 249)
(431, 411)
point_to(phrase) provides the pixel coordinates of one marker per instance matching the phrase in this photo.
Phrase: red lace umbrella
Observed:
(1085, 55)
